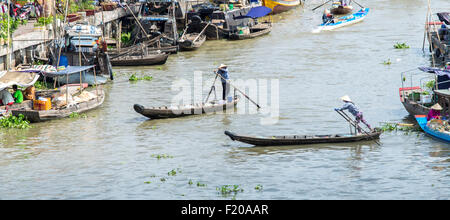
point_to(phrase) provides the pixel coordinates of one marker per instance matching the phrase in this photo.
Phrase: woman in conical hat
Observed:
(223, 71)
(435, 112)
(351, 107)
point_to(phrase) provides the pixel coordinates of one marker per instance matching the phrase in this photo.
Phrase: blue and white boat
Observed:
(422, 120)
(344, 21)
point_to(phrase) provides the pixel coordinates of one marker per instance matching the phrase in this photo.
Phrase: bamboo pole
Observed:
(8, 56)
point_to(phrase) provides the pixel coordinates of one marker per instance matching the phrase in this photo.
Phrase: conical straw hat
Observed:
(346, 98)
(222, 66)
(436, 107)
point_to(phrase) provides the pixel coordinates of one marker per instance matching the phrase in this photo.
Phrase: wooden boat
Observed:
(254, 31)
(422, 121)
(45, 115)
(302, 139)
(345, 21)
(140, 60)
(279, 6)
(191, 41)
(341, 10)
(412, 104)
(186, 110)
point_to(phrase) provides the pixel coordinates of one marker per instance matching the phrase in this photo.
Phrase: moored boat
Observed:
(89, 103)
(436, 133)
(140, 60)
(279, 6)
(253, 32)
(303, 139)
(186, 110)
(191, 41)
(256, 28)
(344, 21)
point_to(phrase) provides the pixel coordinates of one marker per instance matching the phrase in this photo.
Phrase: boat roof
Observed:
(442, 92)
(256, 12)
(444, 17)
(23, 79)
(67, 71)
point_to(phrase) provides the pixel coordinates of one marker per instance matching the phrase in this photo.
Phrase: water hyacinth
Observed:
(12, 121)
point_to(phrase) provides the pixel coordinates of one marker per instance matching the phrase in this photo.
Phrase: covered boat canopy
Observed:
(444, 17)
(23, 79)
(67, 71)
(437, 71)
(256, 12)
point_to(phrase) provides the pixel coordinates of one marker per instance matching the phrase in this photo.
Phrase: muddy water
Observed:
(111, 153)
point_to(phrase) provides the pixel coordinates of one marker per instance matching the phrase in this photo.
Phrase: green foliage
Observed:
(226, 190)
(430, 84)
(161, 156)
(401, 46)
(13, 25)
(43, 21)
(125, 38)
(77, 115)
(15, 122)
(258, 187)
(134, 78)
(39, 85)
(387, 62)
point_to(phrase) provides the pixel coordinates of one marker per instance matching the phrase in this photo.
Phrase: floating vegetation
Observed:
(258, 187)
(387, 62)
(401, 46)
(190, 182)
(163, 179)
(173, 172)
(147, 182)
(161, 156)
(12, 121)
(134, 78)
(387, 126)
(77, 115)
(201, 184)
(226, 190)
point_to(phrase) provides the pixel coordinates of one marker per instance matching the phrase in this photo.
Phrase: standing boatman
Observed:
(223, 71)
(351, 107)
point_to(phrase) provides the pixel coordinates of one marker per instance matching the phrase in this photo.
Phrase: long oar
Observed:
(359, 4)
(212, 87)
(246, 96)
(321, 5)
(356, 125)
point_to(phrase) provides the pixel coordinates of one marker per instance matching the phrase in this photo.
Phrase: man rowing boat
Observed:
(223, 71)
(351, 107)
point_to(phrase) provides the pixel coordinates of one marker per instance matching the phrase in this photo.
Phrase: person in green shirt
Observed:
(18, 96)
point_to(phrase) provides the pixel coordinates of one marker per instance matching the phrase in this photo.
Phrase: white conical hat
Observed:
(436, 107)
(346, 98)
(222, 66)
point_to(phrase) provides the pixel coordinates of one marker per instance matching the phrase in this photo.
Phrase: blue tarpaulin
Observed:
(256, 12)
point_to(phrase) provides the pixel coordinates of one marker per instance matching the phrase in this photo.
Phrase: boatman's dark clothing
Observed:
(225, 85)
(327, 18)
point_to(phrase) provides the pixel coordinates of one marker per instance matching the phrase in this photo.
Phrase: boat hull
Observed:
(164, 112)
(341, 10)
(302, 139)
(157, 59)
(422, 121)
(256, 32)
(279, 6)
(35, 116)
(346, 20)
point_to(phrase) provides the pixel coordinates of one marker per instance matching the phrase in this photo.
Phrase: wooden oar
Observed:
(321, 5)
(246, 96)
(356, 125)
(212, 87)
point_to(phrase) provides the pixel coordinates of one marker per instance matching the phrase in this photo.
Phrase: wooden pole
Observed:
(245, 95)
(8, 56)
(79, 56)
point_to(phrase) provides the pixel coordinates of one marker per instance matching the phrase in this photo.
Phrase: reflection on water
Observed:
(108, 155)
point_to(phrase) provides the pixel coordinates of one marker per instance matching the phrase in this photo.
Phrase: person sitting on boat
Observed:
(444, 32)
(223, 71)
(447, 66)
(327, 17)
(18, 95)
(351, 107)
(435, 112)
(6, 98)
(344, 2)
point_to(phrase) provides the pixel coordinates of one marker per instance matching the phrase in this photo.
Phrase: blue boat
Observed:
(344, 21)
(422, 120)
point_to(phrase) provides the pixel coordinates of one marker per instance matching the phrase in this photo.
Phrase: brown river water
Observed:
(111, 153)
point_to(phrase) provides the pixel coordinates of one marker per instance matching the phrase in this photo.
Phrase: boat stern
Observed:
(421, 120)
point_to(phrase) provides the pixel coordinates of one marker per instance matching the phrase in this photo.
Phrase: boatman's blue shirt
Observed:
(351, 108)
(224, 74)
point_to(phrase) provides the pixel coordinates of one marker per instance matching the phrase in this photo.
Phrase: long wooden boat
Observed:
(45, 115)
(302, 139)
(191, 41)
(345, 21)
(186, 110)
(255, 31)
(341, 10)
(279, 6)
(422, 121)
(140, 60)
